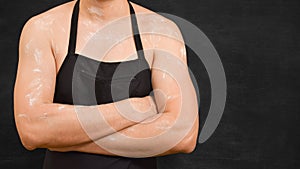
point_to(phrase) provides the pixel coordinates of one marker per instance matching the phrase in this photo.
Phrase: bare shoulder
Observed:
(155, 23)
(46, 21)
(162, 33)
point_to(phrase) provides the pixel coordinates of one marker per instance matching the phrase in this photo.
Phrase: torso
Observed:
(56, 22)
(97, 90)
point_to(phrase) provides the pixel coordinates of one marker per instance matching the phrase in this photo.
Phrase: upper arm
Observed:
(36, 68)
(170, 75)
(36, 73)
(173, 88)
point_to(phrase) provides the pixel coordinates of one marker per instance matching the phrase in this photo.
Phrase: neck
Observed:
(104, 9)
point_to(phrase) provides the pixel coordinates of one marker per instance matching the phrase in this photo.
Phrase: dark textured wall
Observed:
(258, 43)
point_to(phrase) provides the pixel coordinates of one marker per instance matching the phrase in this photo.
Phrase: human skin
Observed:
(40, 122)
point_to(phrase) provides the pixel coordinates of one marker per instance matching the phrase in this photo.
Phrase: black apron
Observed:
(85, 81)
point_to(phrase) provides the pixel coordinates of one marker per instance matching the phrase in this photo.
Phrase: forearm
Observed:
(93, 148)
(151, 145)
(121, 144)
(58, 125)
(174, 130)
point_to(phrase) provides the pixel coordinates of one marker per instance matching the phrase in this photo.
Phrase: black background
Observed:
(258, 43)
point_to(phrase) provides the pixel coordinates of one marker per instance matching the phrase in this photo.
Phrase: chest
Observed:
(100, 44)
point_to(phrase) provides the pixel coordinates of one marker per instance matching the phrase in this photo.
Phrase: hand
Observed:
(137, 108)
(144, 104)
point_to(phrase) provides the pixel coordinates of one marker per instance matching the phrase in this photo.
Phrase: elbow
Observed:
(28, 141)
(189, 143)
(29, 138)
(187, 146)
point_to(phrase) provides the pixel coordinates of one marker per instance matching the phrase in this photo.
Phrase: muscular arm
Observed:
(175, 129)
(42, 123)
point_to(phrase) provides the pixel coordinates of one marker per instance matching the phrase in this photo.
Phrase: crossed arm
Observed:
(44, 124)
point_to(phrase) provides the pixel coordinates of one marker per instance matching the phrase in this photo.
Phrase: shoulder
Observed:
(46, 21)
(156, 23)
(163, 33)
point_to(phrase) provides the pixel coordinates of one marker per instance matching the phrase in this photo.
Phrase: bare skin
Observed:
(43, 47)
